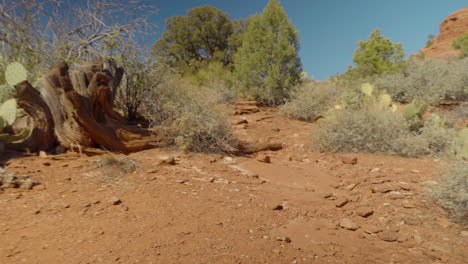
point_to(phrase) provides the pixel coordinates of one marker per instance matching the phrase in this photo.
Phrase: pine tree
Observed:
(267, 64)
(377, 55)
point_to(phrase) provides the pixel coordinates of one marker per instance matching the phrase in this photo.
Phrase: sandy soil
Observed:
(302, 207)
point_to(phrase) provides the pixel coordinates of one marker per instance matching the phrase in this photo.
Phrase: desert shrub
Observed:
(217, 77)
(383, 131)
(461, 43)
(188, 115)
(310, 100)
(428, 80)
(361, 131)
(452, 192)
(435, 138)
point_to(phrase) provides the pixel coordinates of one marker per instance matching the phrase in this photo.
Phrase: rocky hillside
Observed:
(453, 26)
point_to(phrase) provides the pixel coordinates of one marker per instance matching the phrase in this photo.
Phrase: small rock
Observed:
(42, 154)
(47, 164)
(351, 187)
(415, 171)
(263, 158)
(404, 186)
(60, 149)
(464, 233)
(229, 160)
(276, 130)
(28, 184)
(115, 201)
(39, 187)
(411, 221)
(348, 224)
(168, 160)
(348, 160)
(277, 207)
(364, 212)
(375, 170)
(384, 188)
(409, 205)
(326, 195)
(388, 236)
(443, 222)
(242, 121)
(284, 239)
(371, 229)
(429, 183)
(341, 201)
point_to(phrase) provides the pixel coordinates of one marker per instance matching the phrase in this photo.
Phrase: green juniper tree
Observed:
(267, 63)
(200, 37)
(376, 55)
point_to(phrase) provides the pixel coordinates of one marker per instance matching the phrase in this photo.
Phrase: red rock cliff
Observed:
(452, 27)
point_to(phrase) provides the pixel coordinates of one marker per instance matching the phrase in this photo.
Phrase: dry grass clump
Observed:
(125, 165)
(452, 192)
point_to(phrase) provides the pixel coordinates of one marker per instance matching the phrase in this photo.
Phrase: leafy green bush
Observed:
(188, 115)
(311, 100)
(461, 43)
(452, 192)
(428, 80)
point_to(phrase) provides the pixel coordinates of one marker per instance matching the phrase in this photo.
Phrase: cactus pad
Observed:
(8, 111)
(15, 73)
(367, 89)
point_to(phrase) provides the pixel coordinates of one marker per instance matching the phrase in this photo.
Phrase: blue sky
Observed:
(330, 29)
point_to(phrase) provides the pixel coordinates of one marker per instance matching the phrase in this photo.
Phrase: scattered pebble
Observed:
(115, 201)
(388, 236)
(264, 158)
(348, 224)
(364, 212)
(341, 201)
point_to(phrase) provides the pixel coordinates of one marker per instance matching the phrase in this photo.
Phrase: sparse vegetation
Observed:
(452, 192)
(461, 43)
(361, 131)
(189, 115)
(310, 101)
(430, 40)
(428, 80)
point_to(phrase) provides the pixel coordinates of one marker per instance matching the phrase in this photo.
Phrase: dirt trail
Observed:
(302, 207)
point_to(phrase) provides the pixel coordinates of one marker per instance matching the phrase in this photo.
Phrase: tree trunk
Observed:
(80, 109)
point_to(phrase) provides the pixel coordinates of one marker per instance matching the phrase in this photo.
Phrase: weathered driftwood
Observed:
(78, 105)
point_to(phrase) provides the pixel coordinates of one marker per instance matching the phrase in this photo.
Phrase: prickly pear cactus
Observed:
(415, 109)
(367, 89)
(385, 102)
(8, 111)
(413, 114)
(15, 73)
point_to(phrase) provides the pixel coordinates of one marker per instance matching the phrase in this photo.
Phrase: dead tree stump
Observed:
(75, 109)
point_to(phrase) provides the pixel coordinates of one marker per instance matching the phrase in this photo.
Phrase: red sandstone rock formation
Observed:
(451, 28)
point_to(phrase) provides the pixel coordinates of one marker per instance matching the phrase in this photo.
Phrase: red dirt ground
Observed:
(215, 209)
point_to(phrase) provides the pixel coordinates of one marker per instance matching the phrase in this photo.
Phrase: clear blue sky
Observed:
(330, 29)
